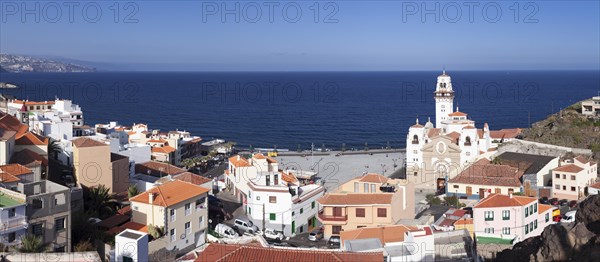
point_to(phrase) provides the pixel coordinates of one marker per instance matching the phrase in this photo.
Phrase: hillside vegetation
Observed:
(567, 128)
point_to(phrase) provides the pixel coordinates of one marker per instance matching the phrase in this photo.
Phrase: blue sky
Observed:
(359, 35)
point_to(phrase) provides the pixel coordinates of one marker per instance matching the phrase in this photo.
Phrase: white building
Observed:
(434, 154)
(131, 246)
(570, 180)
(591, 107)
(273, 195)
(13, 218)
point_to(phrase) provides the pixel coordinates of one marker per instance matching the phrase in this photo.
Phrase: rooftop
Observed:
(7, 201)
(570, 168)
(158, 169)
(528, 163)
(87, 142)
(170, 193)
(373, 178)
(356, 199)
(483, 172)
(386, 234)
(498, 200)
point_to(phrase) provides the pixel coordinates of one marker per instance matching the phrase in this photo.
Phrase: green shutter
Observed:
(293, 227)
(272, 216)
(301, 210)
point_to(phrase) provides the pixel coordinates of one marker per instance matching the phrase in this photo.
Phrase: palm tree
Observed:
(132, 191)
(100, 201)
(31, 243)
(188, 163)
(54, 148)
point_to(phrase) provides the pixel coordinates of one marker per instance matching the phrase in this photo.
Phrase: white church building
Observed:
(437, 153)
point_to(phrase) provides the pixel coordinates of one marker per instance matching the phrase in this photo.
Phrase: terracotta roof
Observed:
(416, 126)
(259, 156)
(157, 141)
(498, 200)
(157, 169)
(596, 185)
(457, 113)
(356, 199)
(464, 221)
(582, 159)
(15, 169)
(469, 127)
(30, 138)
(27, 157)
(434, 132)
(163, 149)
(87, 142)
(528, 163)
(239, 161)
(192, 178)
(9, 122)
(125, 211)
(543, 208)
(373, 178)
(235, 253)
(32, 103)
(8, 178)
(505, 133)
(289, 177)
(454, 136)
(386, 234)
(129, 225)
(483, 172)
(7, 134)
(113, 221)
(570, 168)
(170, 193)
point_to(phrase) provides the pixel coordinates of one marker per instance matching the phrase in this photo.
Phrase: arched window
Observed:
(415, 139)
(468, 141)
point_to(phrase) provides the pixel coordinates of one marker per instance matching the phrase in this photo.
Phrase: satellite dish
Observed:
(182, 236)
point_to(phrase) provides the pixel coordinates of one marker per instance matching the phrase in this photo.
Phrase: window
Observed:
(530, 226)
(373, 188)
(381, 212)
(535, 224)
(535, 207)
(59, 224)
(293, 213)
(12, 237)
(547, 217)
(272, 199)
(489, 230)
(12, 212)
(59, 199)
(531, 210)
(455, 186)
(200, 202)
(506, 230)
(505, 214)
(268, 180)
(188, 209)
(573, 188)
(360, 212)
(366, 188)
(188, 228)
(173, 235)
(556, 186)
(489, 215)
(37, 229)
(301, 210)
(37, 204)
(356, 187)
(313, 204)
(172, 213)
(564, 187)
(272, 216)
(526, 229)
(201, 221)
(564, 176)
(249, 211)
(572, 177)
(336, 230)
(557, 175)
(276, 179)
(526, 211)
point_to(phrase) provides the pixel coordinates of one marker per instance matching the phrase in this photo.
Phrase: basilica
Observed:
(437, 153)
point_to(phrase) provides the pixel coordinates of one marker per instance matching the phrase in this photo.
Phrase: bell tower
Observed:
(444, 98)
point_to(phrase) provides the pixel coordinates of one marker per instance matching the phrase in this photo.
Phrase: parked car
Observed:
(573, 203)
(568, 217)
(544, 200)
(316, 235)
(245, 225)
(226, 231)
(334, 242)
(563, 202)
(554, 201)
(272, 234)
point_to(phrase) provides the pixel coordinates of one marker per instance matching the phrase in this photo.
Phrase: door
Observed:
(469, 191)
(481, 193)
(200, 238)
(337, 211)
(293, 227)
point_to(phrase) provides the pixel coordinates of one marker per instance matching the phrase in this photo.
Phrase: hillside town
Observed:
(459, 191)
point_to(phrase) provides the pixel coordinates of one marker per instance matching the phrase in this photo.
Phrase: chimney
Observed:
(151, 198)
(238, 157)
(510, 195)
(486, 193)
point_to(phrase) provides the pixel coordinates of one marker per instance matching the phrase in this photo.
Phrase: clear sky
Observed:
(343, 35)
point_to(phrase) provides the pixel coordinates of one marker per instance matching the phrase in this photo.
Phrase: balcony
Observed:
(13, 224)
(331, 219)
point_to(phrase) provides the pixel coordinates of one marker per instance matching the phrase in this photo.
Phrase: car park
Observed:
(226, 231)
(554, 201)
(316, 235)
(544, 200)
(245, 225)
(563, 202)
(272, 234)
(334, 242)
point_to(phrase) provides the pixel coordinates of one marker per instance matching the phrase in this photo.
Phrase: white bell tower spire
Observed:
(444, 98)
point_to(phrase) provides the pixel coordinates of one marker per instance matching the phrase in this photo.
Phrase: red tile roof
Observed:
(289, 177)
(158, 169)
(505, 133)
(170, 193)
(454, 136)
(30, 138)
(498, 200)
(570, 168)
(483, 172)
(596, 185)
(582, 159)
(163, 149)
(457, 113)
(15, 169)
(192, 178)
(373, 178)
(543, 208)
(235, 253)
(434, 132)
(386, 234)
(239, 161)
(87, 142)
(27, 157)
(356, 199)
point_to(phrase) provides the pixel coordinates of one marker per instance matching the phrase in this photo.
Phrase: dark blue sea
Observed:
(285, 109)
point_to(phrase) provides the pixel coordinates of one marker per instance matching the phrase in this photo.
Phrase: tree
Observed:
(100, 202)
(132, 191)
(155, 232)
(31, 243)
(54, 148)
(188, 163)
(84, 246)
(433, 200)
(497, 161)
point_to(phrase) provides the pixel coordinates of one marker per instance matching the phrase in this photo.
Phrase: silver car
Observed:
(315, 235)
(245, 225)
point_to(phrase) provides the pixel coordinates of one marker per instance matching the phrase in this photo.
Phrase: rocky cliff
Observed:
(567, 128)
(578, 241)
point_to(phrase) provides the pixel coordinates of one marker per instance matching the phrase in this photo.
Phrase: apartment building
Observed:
(368, 201)
(273, 197)
(179, 207)
(13, 217)
(95, 165)
(572, 178)
(510, 217)
(591, 107)
(49, 213)
(484, 176)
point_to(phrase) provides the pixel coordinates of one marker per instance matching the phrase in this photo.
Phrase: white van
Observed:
(568, 217)
(226, 231)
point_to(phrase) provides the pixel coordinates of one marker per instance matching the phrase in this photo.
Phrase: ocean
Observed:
(291, 109)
